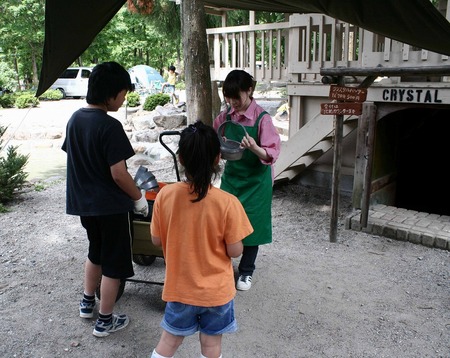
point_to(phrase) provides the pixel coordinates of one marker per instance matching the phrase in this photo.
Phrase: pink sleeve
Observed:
(269, 139)
(219, 120)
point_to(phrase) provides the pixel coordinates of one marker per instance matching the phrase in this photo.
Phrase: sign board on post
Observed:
(351, 94)
(341, 108)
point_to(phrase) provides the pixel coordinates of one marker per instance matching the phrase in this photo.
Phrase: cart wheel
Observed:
(119, 293)
(144, 260)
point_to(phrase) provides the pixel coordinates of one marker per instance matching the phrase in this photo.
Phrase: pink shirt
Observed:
(268, 135)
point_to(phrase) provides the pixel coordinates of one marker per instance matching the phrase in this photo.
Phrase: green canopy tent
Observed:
(70, 27)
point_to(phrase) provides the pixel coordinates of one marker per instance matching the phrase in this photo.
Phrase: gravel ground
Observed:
(363, 296)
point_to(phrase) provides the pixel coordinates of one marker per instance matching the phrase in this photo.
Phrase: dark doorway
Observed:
(423, 181)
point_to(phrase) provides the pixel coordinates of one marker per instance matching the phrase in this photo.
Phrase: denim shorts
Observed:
(170, 88)
(184, 320)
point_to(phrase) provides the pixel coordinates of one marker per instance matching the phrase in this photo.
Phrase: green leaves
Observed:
(12, 174)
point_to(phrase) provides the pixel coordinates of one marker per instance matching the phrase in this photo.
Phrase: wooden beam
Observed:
(381, 71)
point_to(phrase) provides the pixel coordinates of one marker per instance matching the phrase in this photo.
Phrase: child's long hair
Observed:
(198, 149)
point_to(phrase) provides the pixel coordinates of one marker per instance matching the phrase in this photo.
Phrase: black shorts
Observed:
(110, 243)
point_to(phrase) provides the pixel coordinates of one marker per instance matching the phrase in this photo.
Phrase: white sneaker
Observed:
(244, 283)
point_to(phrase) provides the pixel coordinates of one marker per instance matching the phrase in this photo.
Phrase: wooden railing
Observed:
(295, 51)
(259, 49)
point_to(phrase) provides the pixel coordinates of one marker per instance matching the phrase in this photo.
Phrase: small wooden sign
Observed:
(342, 108)
(351, 94)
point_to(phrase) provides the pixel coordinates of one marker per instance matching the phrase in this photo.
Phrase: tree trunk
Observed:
(35, 79)
(196, 62)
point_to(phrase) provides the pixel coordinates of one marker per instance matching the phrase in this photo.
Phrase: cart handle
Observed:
(168, 133)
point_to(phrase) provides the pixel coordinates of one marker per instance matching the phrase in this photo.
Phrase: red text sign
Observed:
(342, 108)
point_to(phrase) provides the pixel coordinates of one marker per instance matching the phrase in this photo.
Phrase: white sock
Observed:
(156, 355)
(202, 356)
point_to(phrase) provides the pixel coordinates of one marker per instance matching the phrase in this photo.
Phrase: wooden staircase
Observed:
(312, 141)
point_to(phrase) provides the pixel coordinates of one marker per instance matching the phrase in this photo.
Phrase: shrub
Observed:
(7, 77)
(12, 174)
(181, 85)
(7, 100)
(51, 95)
(26, 100)
(159, 99)
(133, 99)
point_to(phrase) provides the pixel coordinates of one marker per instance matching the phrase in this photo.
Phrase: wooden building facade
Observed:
(400, 160)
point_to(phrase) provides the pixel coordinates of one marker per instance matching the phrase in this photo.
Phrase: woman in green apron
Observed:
(251, 177)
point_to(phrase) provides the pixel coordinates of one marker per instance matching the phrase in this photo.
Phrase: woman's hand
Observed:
(249, 143)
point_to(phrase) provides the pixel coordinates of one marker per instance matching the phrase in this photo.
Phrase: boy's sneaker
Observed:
(244, 283)
(87, 309)
(117, 323)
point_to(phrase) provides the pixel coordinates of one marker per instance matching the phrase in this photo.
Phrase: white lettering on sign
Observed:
(352, 94)
(411, 95)
(342, 108)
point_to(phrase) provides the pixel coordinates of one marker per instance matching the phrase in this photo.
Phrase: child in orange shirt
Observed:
(200, 228)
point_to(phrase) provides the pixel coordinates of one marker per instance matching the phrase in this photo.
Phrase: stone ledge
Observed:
(431, 235)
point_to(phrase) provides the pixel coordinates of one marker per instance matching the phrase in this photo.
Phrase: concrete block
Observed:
(414, 237)
(423, 222)
(442, 242)
(402, 234)
(377, 229)
(427, 240)
(390, 231)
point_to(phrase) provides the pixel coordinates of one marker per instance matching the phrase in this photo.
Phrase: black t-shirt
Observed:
(95, 141)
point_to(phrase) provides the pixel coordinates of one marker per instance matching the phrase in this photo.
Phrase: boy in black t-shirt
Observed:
(100, 190)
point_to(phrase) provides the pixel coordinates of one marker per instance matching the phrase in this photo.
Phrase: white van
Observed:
(73, 82)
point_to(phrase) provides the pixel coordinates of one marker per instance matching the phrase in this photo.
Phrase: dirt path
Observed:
(362, 297)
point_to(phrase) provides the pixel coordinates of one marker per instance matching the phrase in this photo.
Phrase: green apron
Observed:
(251, 182)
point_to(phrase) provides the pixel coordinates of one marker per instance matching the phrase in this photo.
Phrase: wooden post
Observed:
(369, 114)
(337, 158)
(360, 161)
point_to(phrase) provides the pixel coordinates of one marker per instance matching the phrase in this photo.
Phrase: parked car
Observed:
(73, 82)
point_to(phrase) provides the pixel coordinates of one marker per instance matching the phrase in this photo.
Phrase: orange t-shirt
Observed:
(194, 236)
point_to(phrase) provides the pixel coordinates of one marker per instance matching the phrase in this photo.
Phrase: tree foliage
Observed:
(129, 38)
(152, 37)
(22, 38)
(132, 38)
(12, 174)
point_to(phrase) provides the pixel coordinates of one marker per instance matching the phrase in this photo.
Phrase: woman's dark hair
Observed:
(106, 81)
(235, 82)
(198, 149)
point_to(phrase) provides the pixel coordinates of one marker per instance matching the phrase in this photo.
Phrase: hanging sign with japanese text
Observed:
(350, 94)
(342, 108)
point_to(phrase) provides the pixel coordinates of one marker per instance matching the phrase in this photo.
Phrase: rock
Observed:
(139, 147)
(156, 151)
(167, 117)
(270, 106)
(143, 122)
(150, 136)
(171, 121)
(53, 134)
